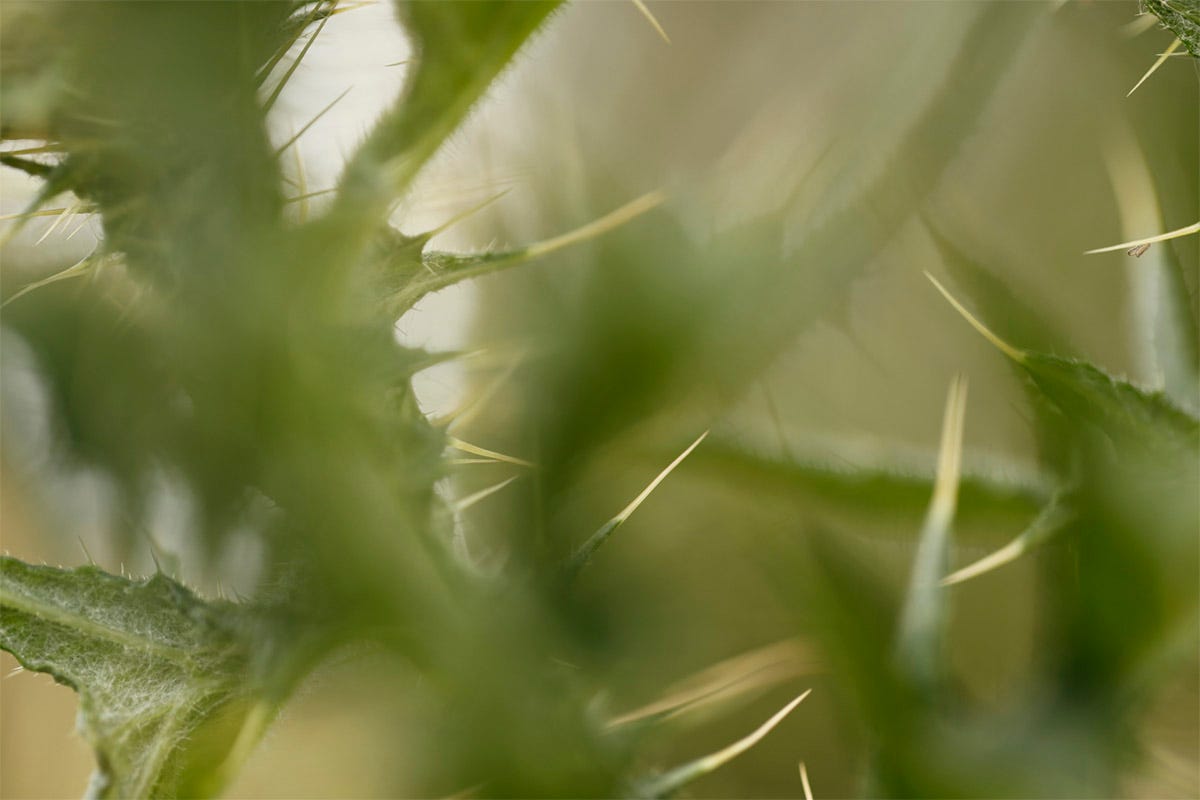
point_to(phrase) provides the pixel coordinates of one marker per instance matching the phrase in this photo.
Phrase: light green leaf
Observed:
(162, 675)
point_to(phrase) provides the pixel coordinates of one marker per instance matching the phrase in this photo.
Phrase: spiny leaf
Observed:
(441, 270)
(584, 554)
(671, 782)
(163, 676)
(923, 618)
(1113, 406)
(1182, 17)
(808, 795)
(1054, 518)
(1091, 396)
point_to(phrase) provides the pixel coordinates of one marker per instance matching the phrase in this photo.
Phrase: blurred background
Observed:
(812, 154)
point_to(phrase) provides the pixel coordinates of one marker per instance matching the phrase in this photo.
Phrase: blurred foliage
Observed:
(224, 342)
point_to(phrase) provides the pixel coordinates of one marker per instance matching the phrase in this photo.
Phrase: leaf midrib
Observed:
(89, 627)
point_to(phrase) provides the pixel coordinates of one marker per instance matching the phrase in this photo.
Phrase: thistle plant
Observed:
(230, 336)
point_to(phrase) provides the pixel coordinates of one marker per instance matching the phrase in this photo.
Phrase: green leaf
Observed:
(1115, 407)
(867, 495)
(1182, 17)
(666, 308)
(832, 254)
(1136, 458)
(162, 675)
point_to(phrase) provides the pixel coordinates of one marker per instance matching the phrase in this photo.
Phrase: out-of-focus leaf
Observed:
(665, 310)
(813, 280)
(1113, 406)
(164, 678)
(866, 496)
(460, 49)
